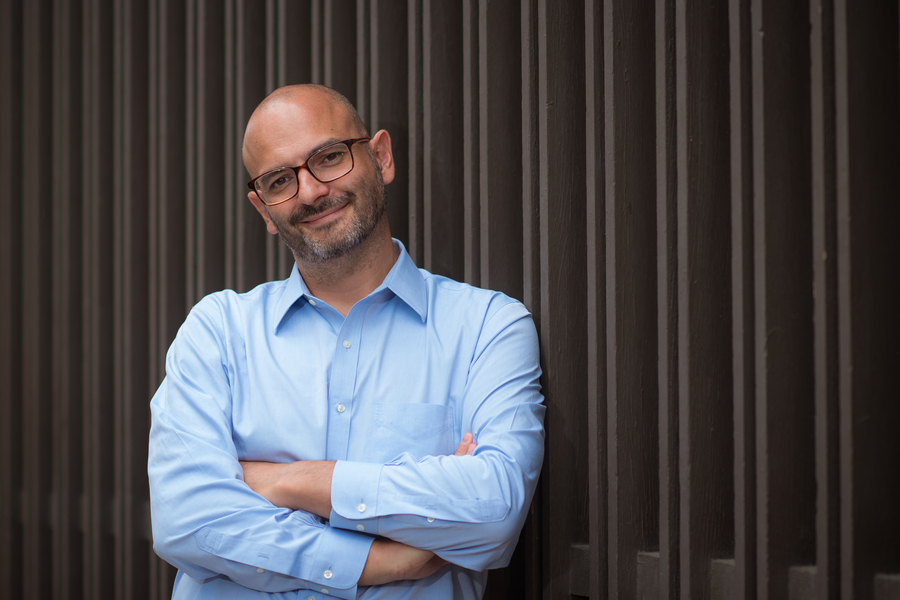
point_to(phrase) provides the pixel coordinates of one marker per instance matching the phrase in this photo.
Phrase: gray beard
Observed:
(315, 251)
(363, 224)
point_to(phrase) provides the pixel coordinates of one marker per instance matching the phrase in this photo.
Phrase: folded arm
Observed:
(208, 522)
(467, 509)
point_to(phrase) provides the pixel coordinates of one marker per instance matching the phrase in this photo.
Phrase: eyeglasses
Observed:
(325, 164)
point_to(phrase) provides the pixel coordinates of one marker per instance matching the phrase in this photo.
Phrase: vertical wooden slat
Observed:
(531, 275)
(595, 212)
(785, 466)
(132, 277)
(535, 526)
(824, 260)
(499, 149)
(192, 171)
(704, 374)
(472, 112)
(11, 366)
(666, 300)
(415, 208)
(36, 293)
(168, 291)
(99, 252)
(249, 90)
(631, 312)
(442, 78)
(66, 325)
(492, 232)
(317, 40)
(867, 132)
(171, 168)
(232, 130)
(340, 47)
(210, 161)
(160, 574)
(391, 101)
(742, 301)
(563, 287)
(363, 71)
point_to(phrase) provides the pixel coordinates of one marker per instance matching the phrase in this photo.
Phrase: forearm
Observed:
(467, 510)
(207, 522)
(302, 485)
(390, 561)
(306, 485)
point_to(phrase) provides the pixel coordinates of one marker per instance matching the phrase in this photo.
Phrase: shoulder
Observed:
(448, 297)
(225, 302)
(228, 312)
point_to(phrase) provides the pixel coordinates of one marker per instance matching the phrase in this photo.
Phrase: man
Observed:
(302, 443)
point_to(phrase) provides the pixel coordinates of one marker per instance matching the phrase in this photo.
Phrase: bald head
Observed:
(287, 111)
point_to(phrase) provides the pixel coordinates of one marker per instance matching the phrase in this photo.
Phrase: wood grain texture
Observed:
(563, 292)
(695, 200)
(785, 464)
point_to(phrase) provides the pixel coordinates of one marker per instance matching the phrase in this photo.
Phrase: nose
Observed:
(309, 189)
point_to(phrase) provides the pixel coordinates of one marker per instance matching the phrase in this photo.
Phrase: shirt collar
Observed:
(404, 280)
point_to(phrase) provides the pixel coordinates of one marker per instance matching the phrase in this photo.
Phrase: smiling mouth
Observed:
(323, 216)
(325, 213)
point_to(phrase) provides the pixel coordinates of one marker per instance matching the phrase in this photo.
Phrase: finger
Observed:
(471, 449)
(463, 447)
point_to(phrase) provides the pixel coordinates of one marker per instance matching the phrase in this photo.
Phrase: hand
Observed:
(466, 446)
(390, 561)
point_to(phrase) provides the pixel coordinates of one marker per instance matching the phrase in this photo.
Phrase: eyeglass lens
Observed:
(325, 165)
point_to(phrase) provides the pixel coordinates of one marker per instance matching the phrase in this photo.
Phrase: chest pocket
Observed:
(427, 425)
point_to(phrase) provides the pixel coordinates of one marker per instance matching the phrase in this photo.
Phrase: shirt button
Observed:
(310, 598)
(313, 302)
(328, 574)
(341, 408)
(260, 570)
(324, 591)
(361, 527)
(346, 343)
(431, 519)
(361, 508)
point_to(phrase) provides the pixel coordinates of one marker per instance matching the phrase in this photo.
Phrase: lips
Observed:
(310, 215)
(322, 216)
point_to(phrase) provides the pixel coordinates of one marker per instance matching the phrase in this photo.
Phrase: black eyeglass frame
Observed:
(349, 143)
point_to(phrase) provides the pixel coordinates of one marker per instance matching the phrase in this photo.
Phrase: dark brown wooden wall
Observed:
(698, 200)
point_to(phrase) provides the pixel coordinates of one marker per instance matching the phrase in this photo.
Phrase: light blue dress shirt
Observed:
(278, 375)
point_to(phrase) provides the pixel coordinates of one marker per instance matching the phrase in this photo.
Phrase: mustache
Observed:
(305, 211)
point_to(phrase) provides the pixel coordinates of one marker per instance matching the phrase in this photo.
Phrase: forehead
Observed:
(286, 132)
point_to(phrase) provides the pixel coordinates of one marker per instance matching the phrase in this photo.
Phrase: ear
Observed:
(381, 147)
(264, 213)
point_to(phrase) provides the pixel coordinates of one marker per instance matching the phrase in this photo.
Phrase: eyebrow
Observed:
(324, 144)
(328, 142)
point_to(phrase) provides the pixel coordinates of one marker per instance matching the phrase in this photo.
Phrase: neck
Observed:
(347, 279)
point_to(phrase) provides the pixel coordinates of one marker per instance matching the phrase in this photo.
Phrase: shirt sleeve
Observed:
(467, 509)
(206, 521)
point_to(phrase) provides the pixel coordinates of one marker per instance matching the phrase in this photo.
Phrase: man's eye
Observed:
(332, 157)
(274, 183)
